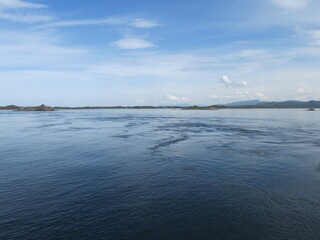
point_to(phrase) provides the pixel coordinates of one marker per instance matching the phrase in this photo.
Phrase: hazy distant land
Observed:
(251, 104)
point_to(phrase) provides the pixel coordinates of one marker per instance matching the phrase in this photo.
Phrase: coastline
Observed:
(44, 108)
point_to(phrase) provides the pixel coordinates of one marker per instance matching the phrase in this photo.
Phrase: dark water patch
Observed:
(111, 119)
(236, 187)
(219, 146)
(167, 142)
(79, 128)
(190, 127)
(254, 152)
(242, 131)
(54, 124)
(214, 126)
(261, 153)
(124, 118)
(316, 142)
(51, 125)
(124, 136)
(190, 168)
(136, 124)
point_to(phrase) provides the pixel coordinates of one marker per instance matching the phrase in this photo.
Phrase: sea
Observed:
(160, 174)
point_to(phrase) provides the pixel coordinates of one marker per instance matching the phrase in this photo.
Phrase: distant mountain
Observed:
(284, 104)
(245, 103)
(291, 104)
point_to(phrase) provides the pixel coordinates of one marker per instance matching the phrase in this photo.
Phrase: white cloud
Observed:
(261, 96)
(133, 43)
(143, 23)
(25, 18)
(227, 82)
(242, 83)
(70, 23)
(291, 4)
(14, 4)
(170, 97)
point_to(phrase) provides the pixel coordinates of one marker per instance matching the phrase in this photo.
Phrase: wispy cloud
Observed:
(138, 23)
(164, 66)
(19, 11)
(112, 21)
(11, 10)
(25, 18)
(34, 49)
(247, 53)
(290, 4)
(143, 23)
(237, 96)
(314, 35)
(14, 4)
(133, 43)
(311, 46)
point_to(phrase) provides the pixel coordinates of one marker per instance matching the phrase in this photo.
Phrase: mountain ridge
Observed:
(275, 104)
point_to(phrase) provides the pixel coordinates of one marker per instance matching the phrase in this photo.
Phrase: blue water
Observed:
(160, 174)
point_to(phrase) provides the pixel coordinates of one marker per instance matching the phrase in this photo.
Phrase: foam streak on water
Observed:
(160, 174)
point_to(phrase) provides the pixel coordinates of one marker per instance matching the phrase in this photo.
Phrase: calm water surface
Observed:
(160, 174)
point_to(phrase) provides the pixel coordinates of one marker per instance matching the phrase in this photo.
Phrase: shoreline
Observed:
(43, 108)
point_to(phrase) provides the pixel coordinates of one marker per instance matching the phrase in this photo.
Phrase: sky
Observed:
(159, 52)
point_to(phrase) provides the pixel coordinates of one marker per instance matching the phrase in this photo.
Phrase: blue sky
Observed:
(142, 52)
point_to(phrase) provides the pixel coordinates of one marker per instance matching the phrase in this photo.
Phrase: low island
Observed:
(41, 108)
